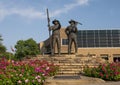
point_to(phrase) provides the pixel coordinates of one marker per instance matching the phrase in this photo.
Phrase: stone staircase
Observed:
(71, 64)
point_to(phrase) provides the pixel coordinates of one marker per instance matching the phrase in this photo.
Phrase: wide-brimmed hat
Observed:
(72, 21)
(55, 21)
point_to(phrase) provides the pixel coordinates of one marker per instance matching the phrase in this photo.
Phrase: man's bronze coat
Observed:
(71, 32)
(56, 36)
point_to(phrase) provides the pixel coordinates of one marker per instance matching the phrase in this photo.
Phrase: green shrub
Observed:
(108, 71)
(32, 72)
(25, 48)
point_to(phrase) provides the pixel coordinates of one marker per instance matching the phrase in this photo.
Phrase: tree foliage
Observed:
(2, 47)
(1, 40)
(26, 48)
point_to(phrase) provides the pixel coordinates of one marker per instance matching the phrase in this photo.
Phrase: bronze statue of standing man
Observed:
(71, 32)
(56, 36)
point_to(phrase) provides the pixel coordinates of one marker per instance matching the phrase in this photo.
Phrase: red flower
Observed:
(106, 76)
(101, 74)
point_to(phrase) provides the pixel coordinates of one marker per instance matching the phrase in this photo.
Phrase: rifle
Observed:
(76, 22)
(48, 19)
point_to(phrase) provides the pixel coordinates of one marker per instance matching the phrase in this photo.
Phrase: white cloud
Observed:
(3, 13)
(28, 13)
(69, 7)
(31, 13)
(83, 2)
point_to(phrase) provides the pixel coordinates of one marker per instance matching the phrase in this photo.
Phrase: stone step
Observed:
(71, 66)
(76, 64)
(71, 69)
(81, 62)
(64, 58)
(68, 72)
(71, 61)
(61, 57)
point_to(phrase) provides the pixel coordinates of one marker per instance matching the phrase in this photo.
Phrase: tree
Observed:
(26, 48)
(1, 39)
(2, 47)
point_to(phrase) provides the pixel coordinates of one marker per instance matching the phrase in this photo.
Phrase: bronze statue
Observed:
(71, 32)
(56, 36)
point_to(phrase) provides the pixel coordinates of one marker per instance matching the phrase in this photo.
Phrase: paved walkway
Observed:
(99, 81)
(82, 81)
(107, 83)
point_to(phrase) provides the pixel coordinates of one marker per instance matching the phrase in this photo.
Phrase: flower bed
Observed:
(33, 72)
(108, 71)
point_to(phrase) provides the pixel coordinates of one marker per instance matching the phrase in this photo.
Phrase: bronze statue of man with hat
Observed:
(71, 32)
(56, 36)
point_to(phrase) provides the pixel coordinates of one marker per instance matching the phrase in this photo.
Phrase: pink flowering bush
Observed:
(108, 71)
(32, 72)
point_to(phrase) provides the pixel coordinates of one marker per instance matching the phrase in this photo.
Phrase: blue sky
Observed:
(24, 19)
